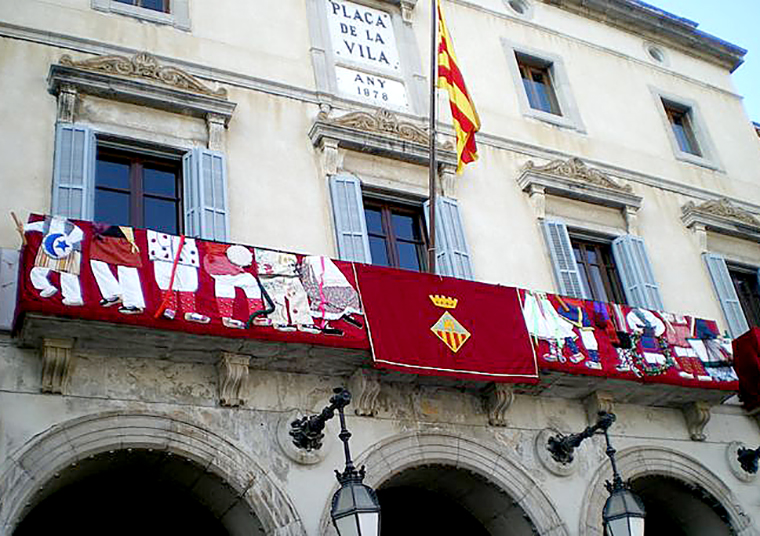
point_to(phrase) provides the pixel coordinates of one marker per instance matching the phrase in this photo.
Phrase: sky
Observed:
(735, 21)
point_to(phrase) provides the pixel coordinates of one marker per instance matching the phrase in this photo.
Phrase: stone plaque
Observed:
(376, 90)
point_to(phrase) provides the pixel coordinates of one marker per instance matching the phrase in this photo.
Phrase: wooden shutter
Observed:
(74, 172)
(205, 194)
(348, 214)
(563, 259)
(724, 289)
(636, 274)
(452, 256)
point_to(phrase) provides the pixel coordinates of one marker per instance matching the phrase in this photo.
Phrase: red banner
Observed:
(439, 326)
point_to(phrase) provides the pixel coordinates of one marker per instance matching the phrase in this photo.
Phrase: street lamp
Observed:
(355, 510)
(748, 459)
(623, 513)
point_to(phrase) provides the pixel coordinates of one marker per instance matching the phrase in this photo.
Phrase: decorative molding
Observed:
(697, 415)
(721, 216)
(137, 80)
(498, 398)
(573, 179)
(732, 452)
(596, 402)
(56, 365)
(365, 387)
(381, 133)
(144, 65)
(550, 464)
(233, 371)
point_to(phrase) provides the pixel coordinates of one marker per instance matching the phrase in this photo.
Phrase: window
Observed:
(746, 286)
(596, 267)
(155, 5)
(138, 190)
(537, 81)
(680, 121)
(396, 235)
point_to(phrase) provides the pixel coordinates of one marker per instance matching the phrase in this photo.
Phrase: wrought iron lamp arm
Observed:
(748, 459)
(562, 446)
(307, 431)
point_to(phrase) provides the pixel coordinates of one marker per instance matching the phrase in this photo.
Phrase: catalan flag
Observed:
(466, 120)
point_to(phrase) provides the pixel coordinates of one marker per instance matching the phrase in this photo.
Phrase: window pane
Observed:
(160, 215)
(374, 221)
(112, 174)
(379, 251)
(404, 227)
(597, 285)
(159, 181)
(591, 256)
(155, 5)
(545, 101)
(531, 93)
(408, 257)
(584, 280)
(112, 207)
(130, 2)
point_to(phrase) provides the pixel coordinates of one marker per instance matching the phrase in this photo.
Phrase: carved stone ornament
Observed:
(722, 208)
(383, 122)
(498, 398)
(596, 402)
(365, 386)
(233, 371)
(697, 415)
(56, 364)
(732, 452)
(144, 65)
(575, 168)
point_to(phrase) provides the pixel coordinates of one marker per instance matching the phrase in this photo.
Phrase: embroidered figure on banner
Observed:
(279, 277)
(447, 328)
(544, 323)
(228, 266)
(331, 296)
(61, 252)
(112, 247)
(175, 267)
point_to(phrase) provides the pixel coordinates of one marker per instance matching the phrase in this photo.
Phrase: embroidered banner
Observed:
(141, 277)
(628, 343)
(440, 326)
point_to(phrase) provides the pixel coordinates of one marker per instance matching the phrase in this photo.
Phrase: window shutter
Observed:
(74, 172)
(350, 224)
(452, 257)
(563, 259)
(205, 194)
(724, 288)
(636, 275)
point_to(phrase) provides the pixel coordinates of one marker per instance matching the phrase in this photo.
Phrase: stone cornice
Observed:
(721, 216)
(642, 19)
(575, 180)
(381, 133)
(140, 80)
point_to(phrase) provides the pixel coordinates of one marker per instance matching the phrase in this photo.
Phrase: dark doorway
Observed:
(137, 492)
(675, 508)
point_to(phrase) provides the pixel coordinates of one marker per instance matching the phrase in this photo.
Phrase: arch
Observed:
(396, 454)
(642, 461)
(29, 469)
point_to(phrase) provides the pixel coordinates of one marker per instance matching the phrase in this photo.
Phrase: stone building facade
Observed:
(604, 122)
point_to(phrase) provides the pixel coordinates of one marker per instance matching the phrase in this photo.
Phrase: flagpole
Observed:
(431, 133)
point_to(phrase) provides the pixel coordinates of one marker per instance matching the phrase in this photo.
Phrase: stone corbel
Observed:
(631, 220)
(449, 181)
(215, 124)
(67, 103)
(537, 199)
(407, 7)
(498, 398)
(596, 402)
(56, 364)
(332, 159)
(697, 415)
(700, 236)
(365, 387)
(233, 371)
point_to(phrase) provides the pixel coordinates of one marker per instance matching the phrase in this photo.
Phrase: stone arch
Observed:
(405, 451)
(642, 461)
(29, 469)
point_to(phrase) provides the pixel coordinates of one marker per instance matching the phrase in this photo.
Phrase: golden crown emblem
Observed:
(444, 301)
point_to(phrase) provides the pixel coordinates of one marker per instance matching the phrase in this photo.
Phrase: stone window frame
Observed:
(178, 16)
(413, 74)
(709, 157)
(570, 116)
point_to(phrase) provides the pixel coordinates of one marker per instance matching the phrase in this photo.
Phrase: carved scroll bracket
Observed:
(57, 365)
(233, 372)
(365, 387)
(407, 8)
(216, 132)
(498, 398)
(697, 415)
(67, 103)
(596, 402)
